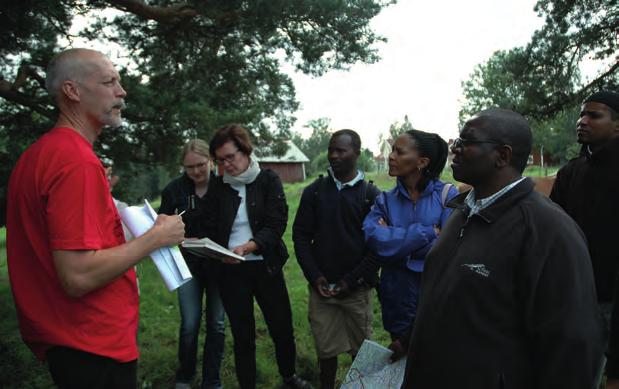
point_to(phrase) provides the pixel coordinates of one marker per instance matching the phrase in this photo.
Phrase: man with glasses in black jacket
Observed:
(508, 295)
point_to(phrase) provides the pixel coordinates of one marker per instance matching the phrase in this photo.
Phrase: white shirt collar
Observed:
(359, 177)
(477, 205)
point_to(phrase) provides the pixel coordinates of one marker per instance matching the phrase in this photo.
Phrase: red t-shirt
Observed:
(59, 199)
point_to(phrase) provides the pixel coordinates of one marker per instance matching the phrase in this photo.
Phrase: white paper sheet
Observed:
(372, 370)
(169, 261)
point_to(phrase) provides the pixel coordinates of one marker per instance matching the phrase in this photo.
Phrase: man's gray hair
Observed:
(70, 64)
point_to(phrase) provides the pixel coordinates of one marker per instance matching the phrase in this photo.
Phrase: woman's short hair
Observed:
(197, 146)
(232, 133)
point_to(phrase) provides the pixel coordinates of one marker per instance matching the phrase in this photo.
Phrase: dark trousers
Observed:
(75, 369)
(239, 285)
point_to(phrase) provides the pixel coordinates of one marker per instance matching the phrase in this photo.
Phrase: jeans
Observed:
(240, 285)
(190, 302)
(76, 369)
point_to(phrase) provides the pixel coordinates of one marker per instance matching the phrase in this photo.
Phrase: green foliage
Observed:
(318, 164)
(397, 128)
(542, 80)
(558, 134)
(188, 67)
(315, 146)
(366, 161)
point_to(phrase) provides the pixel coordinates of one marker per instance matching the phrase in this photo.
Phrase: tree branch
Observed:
(26, 71)
(577, 96)
(9, 93)
(172, 14)
(585, 90)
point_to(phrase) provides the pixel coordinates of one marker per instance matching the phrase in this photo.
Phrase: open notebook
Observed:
(207, 248)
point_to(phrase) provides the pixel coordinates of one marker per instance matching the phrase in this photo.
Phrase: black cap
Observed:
(608, 98)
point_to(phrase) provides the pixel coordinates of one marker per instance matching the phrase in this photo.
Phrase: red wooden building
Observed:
(290, 167)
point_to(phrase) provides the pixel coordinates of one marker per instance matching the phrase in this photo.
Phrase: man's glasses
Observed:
(459, 143)
(226, 158)
(198, 166)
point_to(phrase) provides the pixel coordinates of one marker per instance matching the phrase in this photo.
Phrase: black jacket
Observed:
(507, 301)
(174, 200)
(587, 188)
(267, 211)
(328, 235)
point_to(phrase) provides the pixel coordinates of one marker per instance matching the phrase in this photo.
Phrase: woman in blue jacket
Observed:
(405, 222)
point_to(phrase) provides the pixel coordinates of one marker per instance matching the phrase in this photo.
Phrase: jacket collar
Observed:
(605, 153)
(340, 185)
(404, 192)
(498, 208)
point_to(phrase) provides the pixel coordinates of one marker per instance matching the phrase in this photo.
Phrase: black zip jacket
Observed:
(267, 211)
(508, 301)
(174, 200)
(328, 233)
(587, 189)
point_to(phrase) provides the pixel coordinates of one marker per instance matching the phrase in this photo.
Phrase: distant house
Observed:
(382, 159)
(289, 167)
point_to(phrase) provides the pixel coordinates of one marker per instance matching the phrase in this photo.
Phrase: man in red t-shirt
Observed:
(71, 271)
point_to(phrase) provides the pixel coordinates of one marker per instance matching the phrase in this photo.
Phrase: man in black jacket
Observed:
(330, 248)
(508, 295)
(587, 188)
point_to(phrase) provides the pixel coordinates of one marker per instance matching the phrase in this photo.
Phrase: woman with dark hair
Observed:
(187, 194)
(247, 213)
(403, 225)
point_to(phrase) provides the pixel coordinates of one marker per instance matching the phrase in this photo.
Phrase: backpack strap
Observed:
(368, 199)
(445, 193)
(318, 183)
(366, 195)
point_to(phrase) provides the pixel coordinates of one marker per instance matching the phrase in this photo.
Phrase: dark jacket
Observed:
(175, 199)
(508, 301)
(587, 189)
(328, 235)
(267, 211)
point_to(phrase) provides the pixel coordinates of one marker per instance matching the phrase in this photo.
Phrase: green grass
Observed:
(159, 321)
(536, 171)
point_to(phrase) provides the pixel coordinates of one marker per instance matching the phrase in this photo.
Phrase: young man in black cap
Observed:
(587, 188)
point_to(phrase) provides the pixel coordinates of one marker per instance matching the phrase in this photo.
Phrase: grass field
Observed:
(159, 321)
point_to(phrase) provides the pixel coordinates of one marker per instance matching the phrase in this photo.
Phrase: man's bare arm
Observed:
(83, 271)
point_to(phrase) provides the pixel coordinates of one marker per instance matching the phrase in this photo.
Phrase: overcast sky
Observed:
(432, 47)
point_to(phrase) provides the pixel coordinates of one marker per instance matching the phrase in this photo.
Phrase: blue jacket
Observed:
(410, 231)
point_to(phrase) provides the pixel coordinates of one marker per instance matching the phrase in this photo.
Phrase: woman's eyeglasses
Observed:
(226, 158)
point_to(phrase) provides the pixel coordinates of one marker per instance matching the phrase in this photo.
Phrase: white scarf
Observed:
(247, 177)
